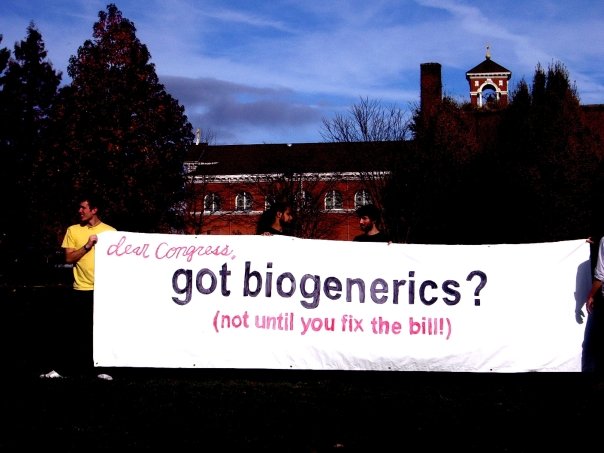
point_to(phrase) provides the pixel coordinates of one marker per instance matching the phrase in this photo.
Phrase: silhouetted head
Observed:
(370, 211)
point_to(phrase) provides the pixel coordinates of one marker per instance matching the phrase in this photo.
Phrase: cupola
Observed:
(488, 83)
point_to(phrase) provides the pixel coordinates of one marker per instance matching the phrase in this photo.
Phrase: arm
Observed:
(595, 287)
(598, 278)
(73, 255)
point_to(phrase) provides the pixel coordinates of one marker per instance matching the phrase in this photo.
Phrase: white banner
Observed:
(274, 302)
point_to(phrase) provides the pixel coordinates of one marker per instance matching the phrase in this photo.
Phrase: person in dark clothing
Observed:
(369, 222)
(592, 359)
(275, 220)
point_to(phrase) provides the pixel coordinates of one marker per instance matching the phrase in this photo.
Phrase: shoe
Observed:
(105, 377)
(52, 374)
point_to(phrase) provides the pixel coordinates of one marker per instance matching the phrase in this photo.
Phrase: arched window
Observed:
(243, 201)
(211, 202)
(269, 200)
(361, 198)
(303, 199)
(333, 200)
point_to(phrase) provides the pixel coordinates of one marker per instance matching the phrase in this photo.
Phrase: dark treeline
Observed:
(530, 172)
(113, 130)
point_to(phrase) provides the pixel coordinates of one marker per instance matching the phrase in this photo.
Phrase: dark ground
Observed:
(278, 410)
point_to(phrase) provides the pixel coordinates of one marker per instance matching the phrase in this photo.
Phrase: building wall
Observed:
(478, 84)
(339, 224)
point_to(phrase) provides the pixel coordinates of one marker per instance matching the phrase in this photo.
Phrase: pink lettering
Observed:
(121, 249)
(166, 251)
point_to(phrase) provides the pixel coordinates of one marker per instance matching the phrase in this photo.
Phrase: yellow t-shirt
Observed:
(75, 238)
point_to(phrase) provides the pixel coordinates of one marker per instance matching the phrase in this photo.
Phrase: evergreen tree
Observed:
(549, 161)
(4, 56)
(29, 89)
(432, 191)
(4, 258)
(527, 173)
(123, 136)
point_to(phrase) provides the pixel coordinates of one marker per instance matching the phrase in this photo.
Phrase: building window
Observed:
(243, 201)
(361, 198)
(333, 200)
(269, 200)
(211, 202)
(303, 199)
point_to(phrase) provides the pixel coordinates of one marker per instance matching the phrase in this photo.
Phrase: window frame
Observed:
(244, 201)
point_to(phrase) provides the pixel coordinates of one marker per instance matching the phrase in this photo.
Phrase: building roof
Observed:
(294, 158)
(488, 66)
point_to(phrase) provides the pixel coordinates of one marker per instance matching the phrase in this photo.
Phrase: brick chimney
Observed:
(430, 87)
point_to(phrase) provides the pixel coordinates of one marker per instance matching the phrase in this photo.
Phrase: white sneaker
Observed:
(52, 374)
(105, 377)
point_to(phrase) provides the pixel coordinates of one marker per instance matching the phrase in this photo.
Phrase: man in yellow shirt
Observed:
(79, 243)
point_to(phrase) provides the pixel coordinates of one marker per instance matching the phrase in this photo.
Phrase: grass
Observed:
(215, 410)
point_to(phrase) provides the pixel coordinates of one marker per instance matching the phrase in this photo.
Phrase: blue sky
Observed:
(270, 71)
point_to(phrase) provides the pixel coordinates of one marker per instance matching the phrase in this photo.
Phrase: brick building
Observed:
(233, 184)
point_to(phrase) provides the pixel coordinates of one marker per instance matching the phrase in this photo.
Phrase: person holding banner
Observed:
(275, 220)
(79, 244)
(369, 219)
(592, 359)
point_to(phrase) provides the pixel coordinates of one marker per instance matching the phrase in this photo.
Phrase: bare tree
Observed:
(367, 121)
(207, 136)
(193, 208)
(370, 122)
(306, 193)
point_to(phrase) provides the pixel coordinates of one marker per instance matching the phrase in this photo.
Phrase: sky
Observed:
(271, 71)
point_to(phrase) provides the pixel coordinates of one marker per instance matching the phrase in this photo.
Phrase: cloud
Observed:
(268, 72)
(223, 106)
